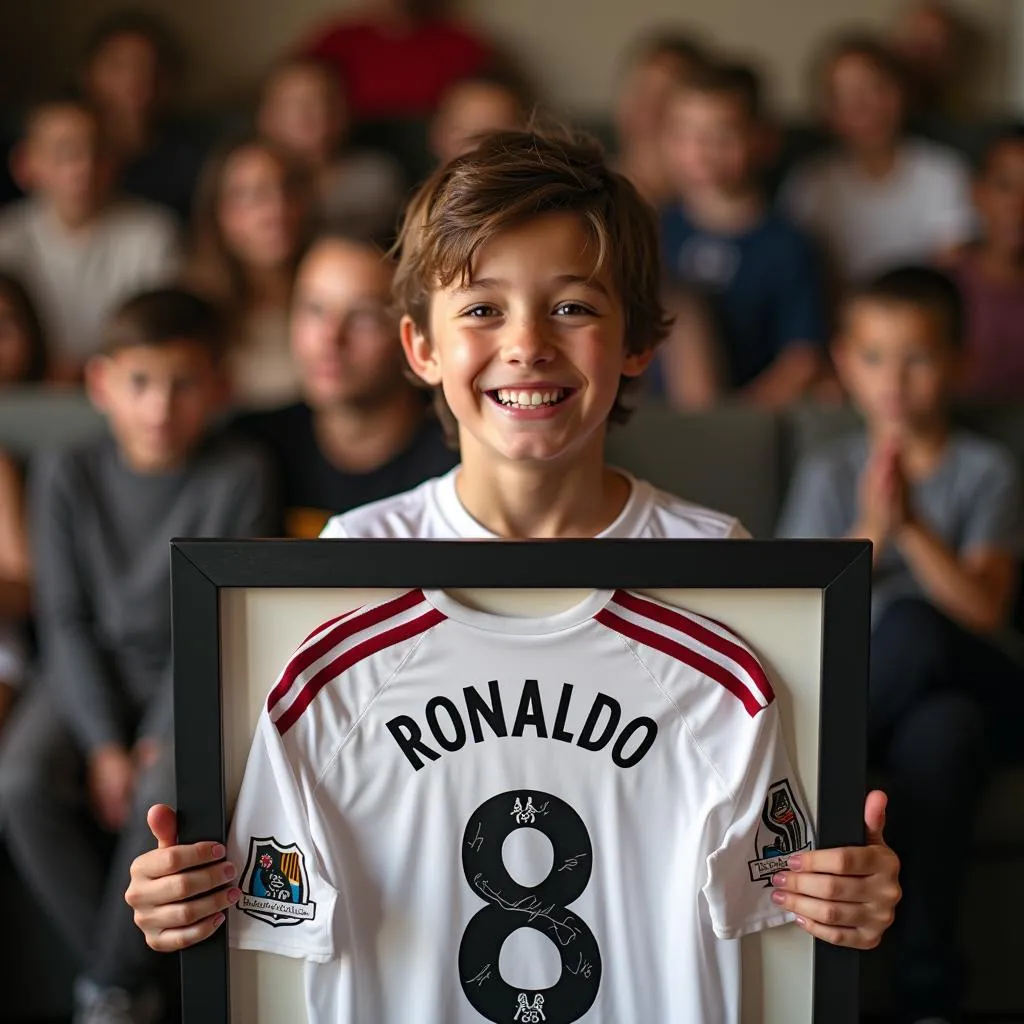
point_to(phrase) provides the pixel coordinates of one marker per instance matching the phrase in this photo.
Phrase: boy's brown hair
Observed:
(510, 178)
(164, 316)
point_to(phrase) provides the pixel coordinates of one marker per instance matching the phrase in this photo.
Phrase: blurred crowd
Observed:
(183, 275)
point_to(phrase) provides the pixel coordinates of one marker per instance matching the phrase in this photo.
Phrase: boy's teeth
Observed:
(528, 399)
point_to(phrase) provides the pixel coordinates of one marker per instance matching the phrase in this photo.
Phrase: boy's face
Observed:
(710, 142)
(865, 105)
(302, 111)
(61, 160)
(124, 75)
(896, 363)
(344, 336)
(999, 196)
(472, 111)
(530, 352)
(158, 400)
(260, 210)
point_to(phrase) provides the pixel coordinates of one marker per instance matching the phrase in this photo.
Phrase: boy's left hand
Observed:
(846, 896)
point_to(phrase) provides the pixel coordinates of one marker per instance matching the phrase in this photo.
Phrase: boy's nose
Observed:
(527, 343)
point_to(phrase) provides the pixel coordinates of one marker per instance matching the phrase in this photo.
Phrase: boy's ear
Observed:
(420, 353)
(97, 371)
(636, 362)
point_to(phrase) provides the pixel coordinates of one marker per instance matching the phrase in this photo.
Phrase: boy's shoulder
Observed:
(432, 511)
(16, 220)
(135, 217)
(979, 460)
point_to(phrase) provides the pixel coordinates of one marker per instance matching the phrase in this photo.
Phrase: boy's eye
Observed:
(573, 309)
(481, 311)
(138, 381)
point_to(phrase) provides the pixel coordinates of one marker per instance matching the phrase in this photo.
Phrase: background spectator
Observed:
(89, 748)
(247, 233)
(78, 251)
(23, 358)
(397, 57)
(362, 431)
(132, 64)
(759, 272)
(654, 67)
(303, 110)
(881, 198)
(472, 108)
(14, 585)
(991, 274)
(943, 509)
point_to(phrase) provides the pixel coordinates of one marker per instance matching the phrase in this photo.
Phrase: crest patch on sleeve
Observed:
(275, 885)
(781, 832)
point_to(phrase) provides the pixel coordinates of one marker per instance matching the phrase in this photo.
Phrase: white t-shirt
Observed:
(433, 511)
(76, 280)
(869, 226)
(455, 816)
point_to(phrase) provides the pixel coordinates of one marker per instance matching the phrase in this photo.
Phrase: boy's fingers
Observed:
(173, 940)
(163, 823)
(874, 817)
(822, 887)
(824, 912)
(835, 936)
(840, 860)
(174, 859)
(186, 884)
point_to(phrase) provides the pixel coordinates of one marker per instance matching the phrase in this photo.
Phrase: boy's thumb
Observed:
(874, 817)
(163, 823)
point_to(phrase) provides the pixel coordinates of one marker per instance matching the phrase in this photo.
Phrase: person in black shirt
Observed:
(364, 432)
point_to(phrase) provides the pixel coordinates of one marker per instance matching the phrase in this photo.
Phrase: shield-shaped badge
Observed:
(782, 832)
(275, 886)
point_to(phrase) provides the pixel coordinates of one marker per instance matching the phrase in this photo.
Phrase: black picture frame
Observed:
(840, 570)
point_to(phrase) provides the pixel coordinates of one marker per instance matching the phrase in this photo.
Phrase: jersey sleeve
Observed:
(764, 823)
(287, 904)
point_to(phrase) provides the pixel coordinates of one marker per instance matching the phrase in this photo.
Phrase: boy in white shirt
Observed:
(879, 199)
(79, 252)
(529, 281)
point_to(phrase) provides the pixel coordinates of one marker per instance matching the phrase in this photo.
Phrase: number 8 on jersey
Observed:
(543, 907)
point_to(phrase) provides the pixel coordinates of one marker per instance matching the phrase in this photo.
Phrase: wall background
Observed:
(570, 48)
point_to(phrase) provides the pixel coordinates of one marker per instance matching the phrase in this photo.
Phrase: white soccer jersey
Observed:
(433, 511)
(458, 817)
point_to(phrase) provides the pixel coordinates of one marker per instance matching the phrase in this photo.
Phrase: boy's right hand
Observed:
(178, 892)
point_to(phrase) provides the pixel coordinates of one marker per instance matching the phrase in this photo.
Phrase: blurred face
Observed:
(999, 196)
(302, 111)
(640, 111)
(158, 401)
(15, 347)
(865, 105)
(710, 142)
(260, 210)
(530, 352)
(62, 162)
(927, 40)
(124, 76)
(344, 337)
(471, 112)
(896, 365)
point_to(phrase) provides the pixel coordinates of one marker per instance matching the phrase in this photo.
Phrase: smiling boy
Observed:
(528, 281)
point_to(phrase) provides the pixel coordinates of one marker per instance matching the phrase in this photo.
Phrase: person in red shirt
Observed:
(398, 57)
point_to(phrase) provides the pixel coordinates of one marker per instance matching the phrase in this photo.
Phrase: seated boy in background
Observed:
(87, 750)
(761, 276)
(529, 282)
(78, 251)
(362, 431)
(943, 509)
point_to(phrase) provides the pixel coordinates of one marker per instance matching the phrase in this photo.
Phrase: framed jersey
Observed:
(518, 781)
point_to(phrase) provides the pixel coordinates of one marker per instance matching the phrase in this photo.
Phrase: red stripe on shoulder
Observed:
(666, 645)
(341, 628)
(365, 649)
(336, 619)
(677, 620)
